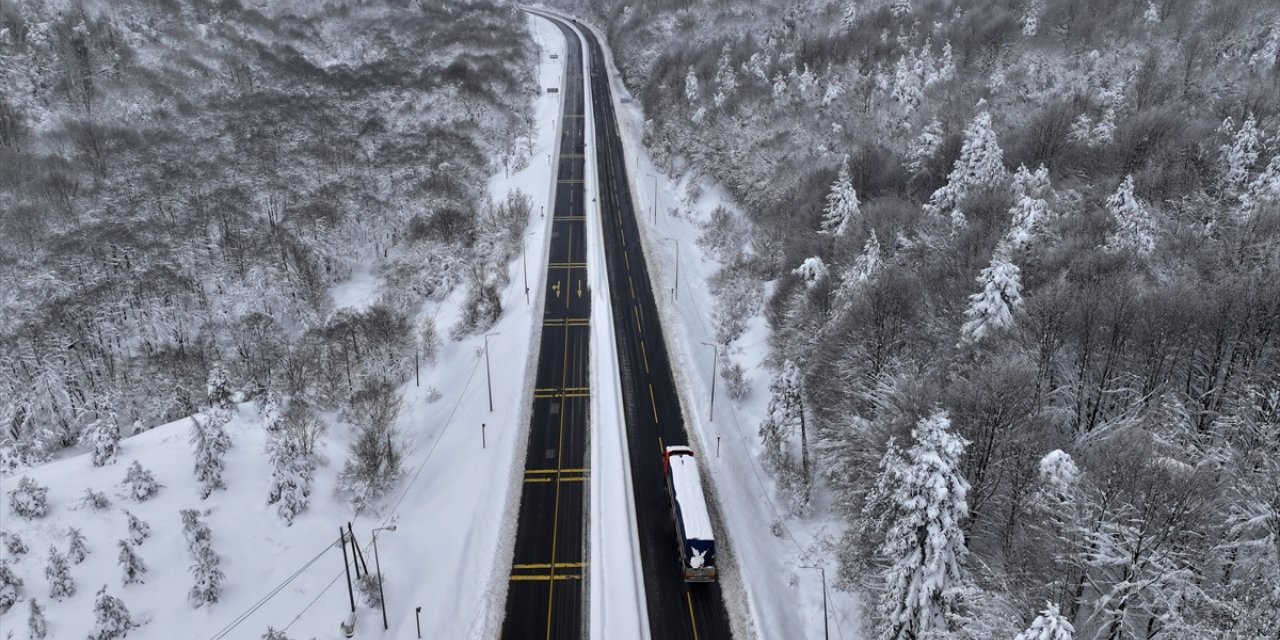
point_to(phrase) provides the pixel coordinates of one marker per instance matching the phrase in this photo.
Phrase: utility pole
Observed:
(675, 293)
(346, 568)
(382, 598)
(715, 360)
(488, 380)
(655, 196)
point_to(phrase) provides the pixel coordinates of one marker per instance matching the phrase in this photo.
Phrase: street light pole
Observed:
(382, 598)
(487, 379)
(524, 264)
(675, 293)
(655, 198)
(826, 632)
(715, 360)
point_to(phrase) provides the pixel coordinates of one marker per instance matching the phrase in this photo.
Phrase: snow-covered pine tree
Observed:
(29, 500)
(210, 443)
(784, 438)
(77, 551)
(291, 475)
(726, 78)
(691, 91)
(218, 386)
(10, 583)
(139, 483)
(1031, 183)
(111, 617)
(981, 164)
(131, 565)
(59, 574)
(908, 85)
(1239, 157)
(863, 270)
(842, 204)
(991, 310)
(1152, 14)
(925, 146)
(205, 572)
(103, 436)
(37, 626)
(1135, 230)
(924, 544)
(1049, 625)
(272, 412)
(1263, 191)
(95, 500)
(139, 530)
(1031, 17)
(1026, 215)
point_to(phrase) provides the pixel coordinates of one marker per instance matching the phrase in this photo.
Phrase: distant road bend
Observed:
(677, 610)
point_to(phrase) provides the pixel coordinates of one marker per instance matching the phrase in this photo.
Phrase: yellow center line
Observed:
(632, 286)
(635, 311)
(547, 578)
(692, 622)
(644, 352)
(559, 565)
(653, 402)
(555, 522)
(626, 259)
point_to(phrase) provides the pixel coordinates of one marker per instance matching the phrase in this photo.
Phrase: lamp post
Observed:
(382, 599)
(675, 293)
(826, 632)
(715, 360)
(655, 198)
(524, 265)
(488, 380)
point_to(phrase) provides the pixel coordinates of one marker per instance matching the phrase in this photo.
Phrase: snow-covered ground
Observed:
(783, 592)
(455, 506)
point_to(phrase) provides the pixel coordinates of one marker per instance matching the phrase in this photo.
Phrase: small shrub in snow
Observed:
(433, 394)
(735, 379)
(139, 530)
(111, 617)
(194, 530)
(95, 500)
(368, 585)
(37, 627)
(59, 574)
(274, 634)
(131, 563)
(76, 549)
(29, 500)
(14, 544)
(9, 585)
(139, 482)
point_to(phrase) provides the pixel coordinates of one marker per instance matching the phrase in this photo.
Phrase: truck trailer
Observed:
(689, 510)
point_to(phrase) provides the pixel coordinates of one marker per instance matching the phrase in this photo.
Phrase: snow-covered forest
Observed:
(184, 183)
(1020, 261)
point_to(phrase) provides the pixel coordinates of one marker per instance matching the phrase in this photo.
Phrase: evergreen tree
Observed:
(291, 476)
(908, 83)
(111, 617)
(981, 164)
(1049, 625)
(1239, 157)
(76, 549)
(272, 412)
(211, 444)
(1263, 191)
(37, 626)
(691, 92)
(59, 574)
(131, 564)
(925, 146)
(784, 438)
(139, 530)
(274, 634)
(1027, 215)
(103, 435)
(10, 583)
(1034, 184)
(842, 204)
(991, 309)
(726, 78)
(29, 500)
(218, 387)
(139, 483)
(924, 545)
(14, 544)
(1135, 230)
(207, 575)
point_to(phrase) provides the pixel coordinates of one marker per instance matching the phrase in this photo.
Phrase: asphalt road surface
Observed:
(545, 598)
(653, 419)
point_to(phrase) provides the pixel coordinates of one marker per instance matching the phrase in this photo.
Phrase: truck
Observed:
(689, 511)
